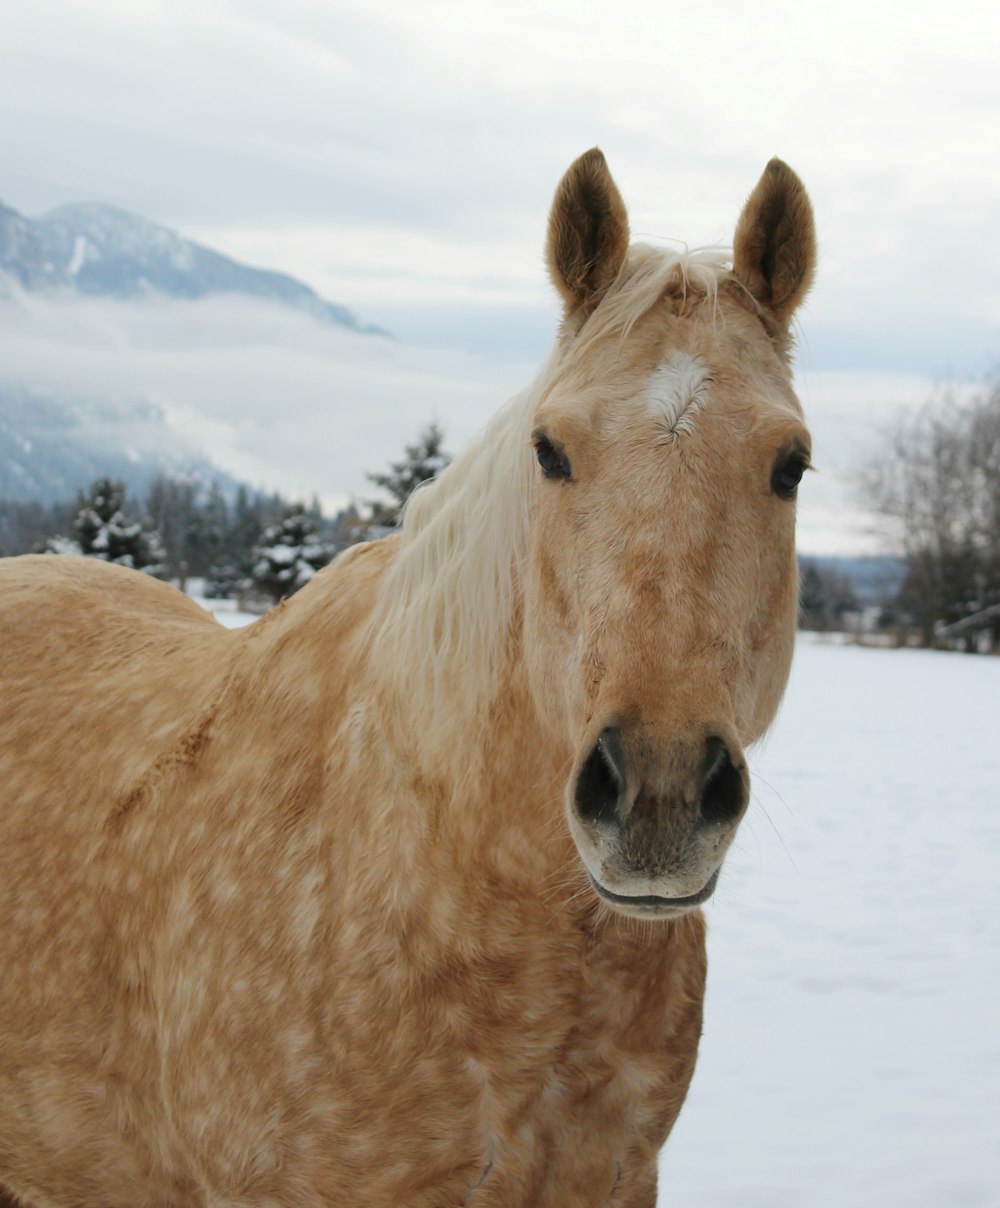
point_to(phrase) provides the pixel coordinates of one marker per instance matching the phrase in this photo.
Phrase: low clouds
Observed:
(275, 398)
(281, 400)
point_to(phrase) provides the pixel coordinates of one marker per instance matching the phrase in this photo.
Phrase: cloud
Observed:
(385, 152)
(402, 160)
(276, 398)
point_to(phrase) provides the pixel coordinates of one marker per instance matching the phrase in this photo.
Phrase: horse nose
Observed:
(724, 789)
(715, 786)
(600, 784)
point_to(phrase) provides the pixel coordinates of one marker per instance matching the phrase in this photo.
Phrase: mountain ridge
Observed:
(99, 250)
(54, 444)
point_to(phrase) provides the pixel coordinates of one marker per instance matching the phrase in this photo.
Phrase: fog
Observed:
(276, 398)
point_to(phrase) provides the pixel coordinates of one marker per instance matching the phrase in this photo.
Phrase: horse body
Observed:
(293, 915)
(201, 1039)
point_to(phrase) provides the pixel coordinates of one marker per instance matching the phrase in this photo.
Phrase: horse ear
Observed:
(588, 233)
(774, 249)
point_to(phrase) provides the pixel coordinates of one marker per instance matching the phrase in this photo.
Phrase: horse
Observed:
(393, 897)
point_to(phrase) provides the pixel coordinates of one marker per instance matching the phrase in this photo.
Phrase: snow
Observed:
(851, 1052)
(78, 257)
(63, 545)
(226, 612)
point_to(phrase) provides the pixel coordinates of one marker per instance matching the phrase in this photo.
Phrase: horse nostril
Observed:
(601, 780)
(723, 790)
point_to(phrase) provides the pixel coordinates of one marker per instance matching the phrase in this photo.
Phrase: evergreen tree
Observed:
(205, 535)
(171, 504)
(424, 460)
(25, 526)
(289, 554)
(103, 530)
(246, 528)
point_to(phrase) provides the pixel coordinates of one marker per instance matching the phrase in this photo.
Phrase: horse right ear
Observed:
(588, 233)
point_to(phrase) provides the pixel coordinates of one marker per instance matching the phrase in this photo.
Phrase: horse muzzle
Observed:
(653, 822)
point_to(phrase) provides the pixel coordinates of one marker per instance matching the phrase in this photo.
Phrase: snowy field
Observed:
(851, 1055)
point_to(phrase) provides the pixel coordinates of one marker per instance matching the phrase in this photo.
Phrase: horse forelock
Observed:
(689, 279)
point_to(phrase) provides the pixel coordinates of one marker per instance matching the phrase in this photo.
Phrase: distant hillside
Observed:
(99, 251)
(875, 578)
(52, 445)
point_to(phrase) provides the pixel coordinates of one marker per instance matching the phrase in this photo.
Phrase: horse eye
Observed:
(553, 461)
(787, 474)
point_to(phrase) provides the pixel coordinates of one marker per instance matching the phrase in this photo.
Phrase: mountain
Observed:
(100, 251)
(53, 445)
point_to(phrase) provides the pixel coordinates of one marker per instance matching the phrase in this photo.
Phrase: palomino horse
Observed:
(392, 898)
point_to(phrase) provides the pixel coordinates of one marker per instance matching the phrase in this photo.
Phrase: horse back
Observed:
(100, 667)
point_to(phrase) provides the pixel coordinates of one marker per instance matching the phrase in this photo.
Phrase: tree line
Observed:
(935, 477)
(245, 544)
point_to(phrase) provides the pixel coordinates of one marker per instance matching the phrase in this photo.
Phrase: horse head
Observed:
(660, 582)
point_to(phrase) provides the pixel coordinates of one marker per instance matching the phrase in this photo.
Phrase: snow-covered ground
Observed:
(851, 1053)
(226, 612)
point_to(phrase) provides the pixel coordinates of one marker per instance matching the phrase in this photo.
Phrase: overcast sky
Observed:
(401, 157)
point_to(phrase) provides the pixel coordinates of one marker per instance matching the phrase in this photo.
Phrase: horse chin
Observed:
(654, 906)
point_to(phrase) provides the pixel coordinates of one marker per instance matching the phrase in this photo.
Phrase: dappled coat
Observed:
(392, 898)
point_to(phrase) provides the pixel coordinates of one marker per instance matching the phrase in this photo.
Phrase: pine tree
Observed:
(103, 530)
(289, 554)
(205, 533)
(424, 460)
(171, 503)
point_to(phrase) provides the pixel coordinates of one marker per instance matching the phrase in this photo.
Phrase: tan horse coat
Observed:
(272, 937)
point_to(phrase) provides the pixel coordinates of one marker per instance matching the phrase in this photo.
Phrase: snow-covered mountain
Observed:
(53, 445)
(98, 250)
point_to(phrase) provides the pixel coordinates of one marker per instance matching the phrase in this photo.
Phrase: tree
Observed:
(103, 530)
(289, 554)
(425, 459)
(938, 481)
(24, 526)
(170, 504)
(825, 596)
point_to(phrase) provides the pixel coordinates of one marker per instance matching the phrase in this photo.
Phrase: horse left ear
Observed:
(588, 233)
(774, 249)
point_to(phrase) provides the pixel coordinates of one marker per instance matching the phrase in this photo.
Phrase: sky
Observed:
(401, 158)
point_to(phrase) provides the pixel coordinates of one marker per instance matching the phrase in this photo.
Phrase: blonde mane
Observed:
(447, 602)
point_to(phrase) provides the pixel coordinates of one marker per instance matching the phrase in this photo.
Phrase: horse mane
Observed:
(448, 601)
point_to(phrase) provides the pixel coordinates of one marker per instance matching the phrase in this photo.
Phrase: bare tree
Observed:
(938, 479)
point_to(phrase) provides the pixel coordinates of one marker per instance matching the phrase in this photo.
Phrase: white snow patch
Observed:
(851, 1054)
(226, 612)
(79, 255)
